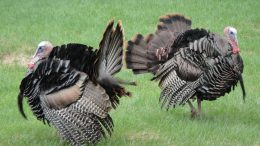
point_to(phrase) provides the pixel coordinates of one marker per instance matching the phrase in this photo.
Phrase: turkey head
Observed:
(43, 51)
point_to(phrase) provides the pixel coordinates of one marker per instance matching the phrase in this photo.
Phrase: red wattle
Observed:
(235, 49)
(30, 65)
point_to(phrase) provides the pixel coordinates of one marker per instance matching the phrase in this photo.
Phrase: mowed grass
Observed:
(138, 120)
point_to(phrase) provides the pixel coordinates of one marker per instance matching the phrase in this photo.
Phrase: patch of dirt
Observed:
(20, 59)
(145, 135)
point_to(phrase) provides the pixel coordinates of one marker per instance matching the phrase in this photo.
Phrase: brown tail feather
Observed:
(176, 23)
(145, 54)
(138, 56)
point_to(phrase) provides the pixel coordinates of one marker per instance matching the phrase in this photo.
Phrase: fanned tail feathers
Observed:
(145, 54)
(139, 57)
(176, 23)
(111, 50)
(109, 62)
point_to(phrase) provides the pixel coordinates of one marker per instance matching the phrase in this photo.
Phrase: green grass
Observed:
(138, 120)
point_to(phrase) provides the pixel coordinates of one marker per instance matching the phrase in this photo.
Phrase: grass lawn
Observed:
(139, 121)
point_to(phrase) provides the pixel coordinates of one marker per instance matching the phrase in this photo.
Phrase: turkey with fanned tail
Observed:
(187, 62)
(72, 87)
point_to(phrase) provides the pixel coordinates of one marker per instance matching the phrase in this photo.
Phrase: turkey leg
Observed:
(193, 110)
(199, 106)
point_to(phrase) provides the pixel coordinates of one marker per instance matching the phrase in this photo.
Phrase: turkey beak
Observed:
(32, 63)
(242, 87)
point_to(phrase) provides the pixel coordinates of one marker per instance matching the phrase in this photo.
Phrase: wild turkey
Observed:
(72, 87)
(187, 62)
